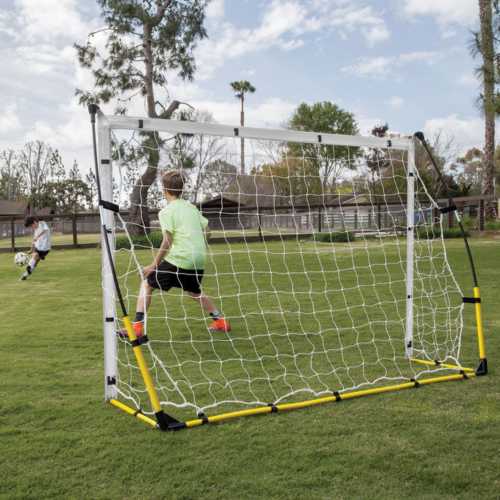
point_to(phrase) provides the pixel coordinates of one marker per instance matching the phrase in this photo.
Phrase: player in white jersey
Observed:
(40, 245)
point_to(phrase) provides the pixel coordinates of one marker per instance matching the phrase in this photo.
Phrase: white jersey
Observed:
(42, 243)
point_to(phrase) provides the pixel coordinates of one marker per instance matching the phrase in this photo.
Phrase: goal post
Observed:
(327, 259)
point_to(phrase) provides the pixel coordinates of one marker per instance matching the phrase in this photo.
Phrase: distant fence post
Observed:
(13, 234)
(75, 234)
(260, 226)
(379, 217)
(320, 215)
(481, 215)
(450, 214)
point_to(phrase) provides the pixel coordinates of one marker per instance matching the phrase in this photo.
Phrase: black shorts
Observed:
(42, 253)
(167, 276)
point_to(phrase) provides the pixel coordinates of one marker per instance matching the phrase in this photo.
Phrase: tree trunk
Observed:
(139, 213)
(488, 71)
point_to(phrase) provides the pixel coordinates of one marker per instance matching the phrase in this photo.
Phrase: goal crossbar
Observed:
(188, 127)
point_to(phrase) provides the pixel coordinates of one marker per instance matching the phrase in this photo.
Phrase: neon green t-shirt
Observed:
(187, 227)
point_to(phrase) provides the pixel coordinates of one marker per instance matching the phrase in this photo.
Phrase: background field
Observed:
(59, 439)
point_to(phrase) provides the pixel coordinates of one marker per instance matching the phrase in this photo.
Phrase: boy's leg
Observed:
(143, 303)
(35, 259)
(218, 323)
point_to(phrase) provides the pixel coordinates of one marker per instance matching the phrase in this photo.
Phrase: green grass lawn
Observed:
(59, 439)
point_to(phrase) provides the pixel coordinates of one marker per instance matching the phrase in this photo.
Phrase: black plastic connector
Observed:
(143, 339)
(167, 423)
(450, 208)
(111, 380)
(274, 408)
(482, 368)
(236, 132)
(471, 300)
(108, 205)
(420, 136)
(337, 395)
(93, 109)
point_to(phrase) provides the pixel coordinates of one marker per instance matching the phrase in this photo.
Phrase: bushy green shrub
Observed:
(492, 225)
(337, 237)
(429, 234)
(153, 239)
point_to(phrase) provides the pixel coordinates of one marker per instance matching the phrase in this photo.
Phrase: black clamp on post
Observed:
(203, 417)
(445, 210)
(415, 382)
(337, 396)
(274, 408)
(471, 300)
(108, 205)
(143, 339)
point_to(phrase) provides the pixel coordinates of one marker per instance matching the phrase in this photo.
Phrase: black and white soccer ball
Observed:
(21, 259)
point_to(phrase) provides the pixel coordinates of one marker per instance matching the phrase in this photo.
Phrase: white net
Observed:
(308, 262)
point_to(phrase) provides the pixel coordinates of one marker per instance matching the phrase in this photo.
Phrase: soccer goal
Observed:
(326, 254)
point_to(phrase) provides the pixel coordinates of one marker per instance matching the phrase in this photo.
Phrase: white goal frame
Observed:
(103, 127)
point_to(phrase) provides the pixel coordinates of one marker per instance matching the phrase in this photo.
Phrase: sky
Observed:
(404, 62)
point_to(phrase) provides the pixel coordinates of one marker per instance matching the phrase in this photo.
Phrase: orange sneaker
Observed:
(138, 327)
(220, 325)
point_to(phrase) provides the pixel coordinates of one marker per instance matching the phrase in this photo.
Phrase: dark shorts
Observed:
(42, 253)
(167, 276)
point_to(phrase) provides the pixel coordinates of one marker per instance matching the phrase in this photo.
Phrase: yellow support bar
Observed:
(261, 410)
(443, 365)
(143, 367)
(134, 413)
(479, 324)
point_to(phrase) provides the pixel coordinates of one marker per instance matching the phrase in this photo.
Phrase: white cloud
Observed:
(215, 9)
(383, 67)
(272, 112)
(50, 19)
(466, 132)
(9, 119)
(446, 12)
(284, 25)
(468, 80)
(396, 102)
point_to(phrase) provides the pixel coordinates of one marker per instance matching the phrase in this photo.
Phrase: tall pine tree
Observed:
(146, 40)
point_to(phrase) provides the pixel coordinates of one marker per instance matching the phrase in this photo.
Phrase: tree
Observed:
(328, 162)
(194, 153)
(11, 179)
(241, 88)
(376, 158)
(69, 194)
(484, 43)
(218, 176)
(146, 39)
(37, 164)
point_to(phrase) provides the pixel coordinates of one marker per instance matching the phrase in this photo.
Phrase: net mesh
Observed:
(307, 260)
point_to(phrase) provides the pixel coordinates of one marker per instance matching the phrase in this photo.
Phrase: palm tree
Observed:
(483, 44)
(240, 89)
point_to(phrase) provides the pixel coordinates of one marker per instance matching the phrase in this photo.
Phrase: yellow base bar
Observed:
(134, 413)
(328, 399)
(262, 410)
(444, 365)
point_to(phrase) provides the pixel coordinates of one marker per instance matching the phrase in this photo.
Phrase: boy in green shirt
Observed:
(180, 260)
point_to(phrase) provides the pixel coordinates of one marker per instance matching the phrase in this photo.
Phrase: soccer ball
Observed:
(21, 259)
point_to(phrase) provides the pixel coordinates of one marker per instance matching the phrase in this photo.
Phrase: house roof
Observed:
(8, 207)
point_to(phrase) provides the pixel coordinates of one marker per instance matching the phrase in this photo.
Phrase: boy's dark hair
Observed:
(30, 221)
(173, 182)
